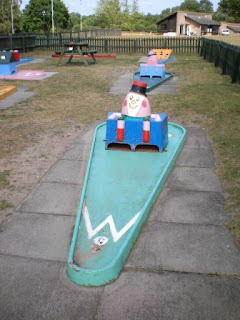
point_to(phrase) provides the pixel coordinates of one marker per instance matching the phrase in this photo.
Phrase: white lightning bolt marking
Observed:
(109, 220)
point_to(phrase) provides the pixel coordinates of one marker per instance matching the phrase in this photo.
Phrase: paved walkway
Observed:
(183, 265)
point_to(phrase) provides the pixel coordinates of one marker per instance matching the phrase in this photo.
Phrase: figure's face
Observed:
(134, 102)
(136, 105)
(152, 59)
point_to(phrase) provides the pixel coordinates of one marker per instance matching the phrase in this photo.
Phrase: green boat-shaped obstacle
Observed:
(119, 191)
(154, 82)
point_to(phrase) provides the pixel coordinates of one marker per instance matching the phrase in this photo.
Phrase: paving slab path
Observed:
(184, 265)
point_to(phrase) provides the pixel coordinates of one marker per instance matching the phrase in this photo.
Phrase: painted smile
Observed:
(132, 106)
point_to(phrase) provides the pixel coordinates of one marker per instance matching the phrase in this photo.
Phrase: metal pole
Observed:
(81, 15)
(52, 19)
(12, 17)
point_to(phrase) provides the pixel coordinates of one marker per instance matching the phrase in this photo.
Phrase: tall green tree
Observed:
(108, 14)
(230, 9)
(37, 16)
(135, 6)
(190, 5)
(9, 9)
(125, 6)
(206, 6)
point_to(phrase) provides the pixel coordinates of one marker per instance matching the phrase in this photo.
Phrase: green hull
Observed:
(152, 83)
(119, 191)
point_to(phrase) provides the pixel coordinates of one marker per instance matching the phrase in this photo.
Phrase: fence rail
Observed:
(223, 55)
(126, 45)
(21, 42)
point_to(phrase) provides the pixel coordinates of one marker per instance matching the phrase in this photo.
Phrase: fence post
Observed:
(23, 43)
(135, 46)
(10, 41)
(48, 40)
(224, 66)
(106, 45)
(236, 68)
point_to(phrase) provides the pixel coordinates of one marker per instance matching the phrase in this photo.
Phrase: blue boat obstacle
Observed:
(152, 72)
(120, 187)
(8, 63)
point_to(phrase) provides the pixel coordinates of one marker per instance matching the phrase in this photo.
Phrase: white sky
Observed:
(145, 6)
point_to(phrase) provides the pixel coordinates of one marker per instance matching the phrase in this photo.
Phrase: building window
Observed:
(163, 27)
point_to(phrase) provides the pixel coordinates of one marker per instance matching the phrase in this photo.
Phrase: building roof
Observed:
(202, 20)
(235, 28)
(167, 17)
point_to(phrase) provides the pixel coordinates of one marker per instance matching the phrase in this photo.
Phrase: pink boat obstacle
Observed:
(152, 68)
(135, 126)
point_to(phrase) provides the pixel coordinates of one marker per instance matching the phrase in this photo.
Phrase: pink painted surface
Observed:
(153, 59)
(136, 105)
(26, 75)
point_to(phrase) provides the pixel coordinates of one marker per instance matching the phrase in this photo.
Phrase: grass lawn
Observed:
(79, 95)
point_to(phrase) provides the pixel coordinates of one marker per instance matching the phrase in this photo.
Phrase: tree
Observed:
(6, 15)
(125, 7)
(190, 5)
(230, 9)
(108, 14)
(205, 6)
(135, 7)
(37, 16)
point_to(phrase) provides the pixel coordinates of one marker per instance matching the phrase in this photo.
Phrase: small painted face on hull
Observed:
(136, 105)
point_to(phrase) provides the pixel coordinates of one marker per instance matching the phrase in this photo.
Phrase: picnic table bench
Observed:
(81, 48)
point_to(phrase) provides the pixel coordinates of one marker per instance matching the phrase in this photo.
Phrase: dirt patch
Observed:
(29, 166)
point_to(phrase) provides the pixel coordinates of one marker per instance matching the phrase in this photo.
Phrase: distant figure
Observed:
(152, 58)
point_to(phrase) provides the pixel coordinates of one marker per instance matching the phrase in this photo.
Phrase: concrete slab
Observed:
(22, 94)
(78, 151)
(38, 236)
(191, 207)
(170, 296)
(69, 171)
(197, 139)
(36, 289)
(87, 135)
(198, 179)
(53, 198)
(186, 248)
(123, 85)
(196, 158)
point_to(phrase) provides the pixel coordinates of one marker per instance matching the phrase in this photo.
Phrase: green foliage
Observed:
(206, 6)
(190, 5)
(4, 182)
(135, 7)
(37, 16)
(74, 19)
(6, 16)
(230, 9)
(4, 204)
(108, 14)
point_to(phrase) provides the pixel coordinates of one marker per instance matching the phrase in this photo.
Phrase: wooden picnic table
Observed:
(82, 48)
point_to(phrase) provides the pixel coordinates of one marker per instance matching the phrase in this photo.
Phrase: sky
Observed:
(145, 6)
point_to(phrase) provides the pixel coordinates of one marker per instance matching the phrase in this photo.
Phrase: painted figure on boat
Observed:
(135, 105)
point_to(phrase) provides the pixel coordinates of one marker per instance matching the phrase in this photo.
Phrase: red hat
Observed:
(139, 87)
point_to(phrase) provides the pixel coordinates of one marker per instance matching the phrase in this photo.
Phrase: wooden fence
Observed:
(223, 55)
(125, 45)
(26, 41)
(21, 42)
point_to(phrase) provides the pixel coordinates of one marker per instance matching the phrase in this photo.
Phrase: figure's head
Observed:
(136, 103)
(152, 57)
